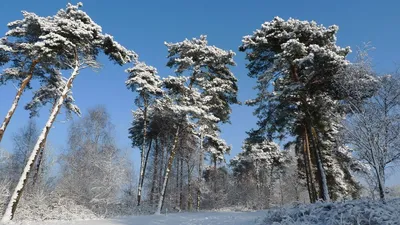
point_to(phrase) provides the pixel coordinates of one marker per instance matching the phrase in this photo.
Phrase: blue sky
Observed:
(143, 26)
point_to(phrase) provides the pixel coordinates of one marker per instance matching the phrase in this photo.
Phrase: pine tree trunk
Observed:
(142, 156)
(269, 188)
(308, 180)
(38, 164)
(144, 168)
(321, 171)
(215, 174)
(199, 180)
(14, 105)
(155, 172)
(167, 171)
(257, 177)
(190, 200)
(12, 205)
(162, 166)
(312, 191)
(40, 159)
(178, 201)
(281, 189)
(200, 172)
(181, 185)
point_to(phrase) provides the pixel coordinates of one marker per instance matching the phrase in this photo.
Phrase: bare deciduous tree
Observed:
(374, 130)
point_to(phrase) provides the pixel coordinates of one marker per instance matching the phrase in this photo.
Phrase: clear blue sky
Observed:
(143, 26)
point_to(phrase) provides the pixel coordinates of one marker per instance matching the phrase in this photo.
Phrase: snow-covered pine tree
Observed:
(184, 105)
(4, 52)
(144, 80)
(262, 161)
(73, 40)
(49, 93)
(20, 46)
(296, 64)
(208, 69)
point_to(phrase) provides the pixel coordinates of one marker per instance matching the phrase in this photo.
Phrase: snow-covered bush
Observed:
(5, 181)
(360, 212)
(4, 194)
(40, 206)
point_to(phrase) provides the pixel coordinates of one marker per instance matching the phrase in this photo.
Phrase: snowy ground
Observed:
(361, 212)
(202, 218)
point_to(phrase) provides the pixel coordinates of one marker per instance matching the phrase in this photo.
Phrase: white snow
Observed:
(343, 213)
(358, 212)
(201, 218)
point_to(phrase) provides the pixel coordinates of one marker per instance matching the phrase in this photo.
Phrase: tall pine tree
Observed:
(296, 64)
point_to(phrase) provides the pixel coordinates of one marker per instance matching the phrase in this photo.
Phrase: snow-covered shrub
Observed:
(360, 212)
(41, 206)
(5, 181)
(234, 209)
(4, 194)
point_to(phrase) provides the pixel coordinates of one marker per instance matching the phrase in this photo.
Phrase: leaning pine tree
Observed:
(23, 48)
(74, 41)
(296, 64)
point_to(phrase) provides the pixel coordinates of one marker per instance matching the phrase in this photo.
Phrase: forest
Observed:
(327, 131)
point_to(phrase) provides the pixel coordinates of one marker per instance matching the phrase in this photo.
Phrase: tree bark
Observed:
(312, 191)
(40, 159)
(12, 205)
(190, 200)
(200, 172)
(167, 171)
(162, 166)
(321, 171)
(181, 185)
(270, 187)
(257, 177)
(306, 162)
(178, 201)
(155, 172)
(142, 155)
(215, 174)
(281, 189)
(38, 164)
(14, 105)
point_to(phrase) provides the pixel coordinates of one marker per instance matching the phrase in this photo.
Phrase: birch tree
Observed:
(77, 40)
(94, 170)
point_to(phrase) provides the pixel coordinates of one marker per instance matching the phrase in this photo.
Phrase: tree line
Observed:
(337, 119)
